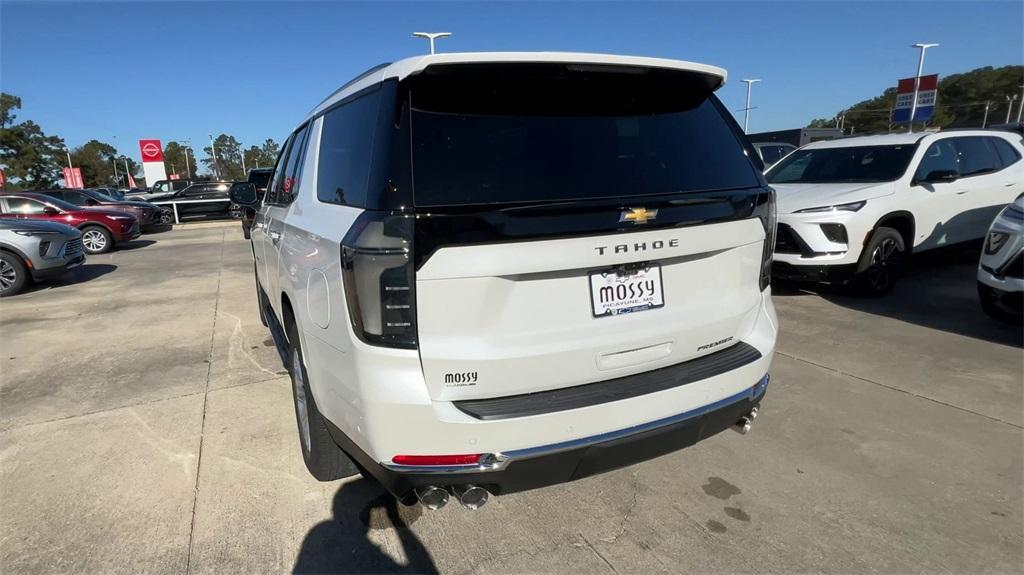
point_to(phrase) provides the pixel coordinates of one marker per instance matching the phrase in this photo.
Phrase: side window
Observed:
(940, 156)
(346, 144)
(289, 182)
(1007, 153)
(177, 185)
(275, 181)
(77, 198)
(976, 156)
(24, 206)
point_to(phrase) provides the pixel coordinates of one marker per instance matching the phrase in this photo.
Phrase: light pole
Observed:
(113, 161)
(746, 111)
(213, 149)
(1009, 106)
(431, 36)
(917, 81)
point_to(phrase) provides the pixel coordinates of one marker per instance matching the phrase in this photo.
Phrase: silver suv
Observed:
(36, 250)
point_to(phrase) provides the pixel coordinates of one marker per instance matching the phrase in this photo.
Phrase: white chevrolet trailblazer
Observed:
(1001, 269)
(497, 271)
(852, 209)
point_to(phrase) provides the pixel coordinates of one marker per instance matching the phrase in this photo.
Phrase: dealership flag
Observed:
(927, 92)
(1, 178)
(131, 181)
(73, 178)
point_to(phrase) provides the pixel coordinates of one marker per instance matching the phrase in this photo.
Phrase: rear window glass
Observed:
(569, 133)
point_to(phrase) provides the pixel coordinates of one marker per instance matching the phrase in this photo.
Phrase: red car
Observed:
(101, 228)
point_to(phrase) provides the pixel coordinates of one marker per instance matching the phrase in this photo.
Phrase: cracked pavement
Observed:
(146, 425)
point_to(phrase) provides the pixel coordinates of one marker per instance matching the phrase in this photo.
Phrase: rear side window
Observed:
(976, 156)
(508, 134)
(346, 146)
(1007, 153)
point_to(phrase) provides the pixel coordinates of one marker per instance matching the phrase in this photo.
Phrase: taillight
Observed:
(377, 268)
(769, 219)
(467, 459)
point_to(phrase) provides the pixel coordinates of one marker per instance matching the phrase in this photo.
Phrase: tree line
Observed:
(962, 102)
(31, 159)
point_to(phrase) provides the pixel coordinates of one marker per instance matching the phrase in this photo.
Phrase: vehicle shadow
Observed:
(158, 229)
(134, 244)
(938, 290)
(81, 274)
(342, 544)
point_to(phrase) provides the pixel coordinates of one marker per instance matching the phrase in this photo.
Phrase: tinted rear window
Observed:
(507, 134)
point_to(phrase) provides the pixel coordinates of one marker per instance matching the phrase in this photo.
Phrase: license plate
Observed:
(618, 291)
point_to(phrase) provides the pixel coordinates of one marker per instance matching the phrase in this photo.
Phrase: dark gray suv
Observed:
(36, 250)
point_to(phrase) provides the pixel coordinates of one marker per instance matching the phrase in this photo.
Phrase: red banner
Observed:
(151, 151)
(1, 178)
(73, 178)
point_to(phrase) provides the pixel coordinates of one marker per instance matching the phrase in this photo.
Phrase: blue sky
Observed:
(122, 71)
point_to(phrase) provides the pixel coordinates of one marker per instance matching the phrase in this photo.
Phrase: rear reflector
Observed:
(469, 459)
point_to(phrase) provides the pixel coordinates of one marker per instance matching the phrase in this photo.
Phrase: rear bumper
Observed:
(541, 466)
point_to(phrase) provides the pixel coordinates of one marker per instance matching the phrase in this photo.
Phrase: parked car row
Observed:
(45, 233)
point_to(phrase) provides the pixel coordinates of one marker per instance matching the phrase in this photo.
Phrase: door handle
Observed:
(961, 192)
(1010, 184)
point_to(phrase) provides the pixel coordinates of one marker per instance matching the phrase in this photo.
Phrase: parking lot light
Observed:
(431, 36)
(746, 110)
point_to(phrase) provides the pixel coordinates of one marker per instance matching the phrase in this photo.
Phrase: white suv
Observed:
(497, 271)
(851, 209)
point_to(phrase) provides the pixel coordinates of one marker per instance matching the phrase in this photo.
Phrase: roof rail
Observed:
(353, 81)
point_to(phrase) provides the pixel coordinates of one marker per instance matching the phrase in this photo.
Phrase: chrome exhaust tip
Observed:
(745, 423)
(471, 496)
(432, 497)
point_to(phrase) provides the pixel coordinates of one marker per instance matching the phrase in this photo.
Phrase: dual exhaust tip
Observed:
(470, 496)
(746, 422)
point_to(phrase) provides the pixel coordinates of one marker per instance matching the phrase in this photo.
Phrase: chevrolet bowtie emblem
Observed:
(638, 215)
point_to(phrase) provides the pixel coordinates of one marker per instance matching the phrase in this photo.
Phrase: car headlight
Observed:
(850, 207)
(36, 233)
(120, 218)
(995, 242)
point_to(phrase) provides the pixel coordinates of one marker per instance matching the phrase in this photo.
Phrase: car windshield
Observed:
(845, 164)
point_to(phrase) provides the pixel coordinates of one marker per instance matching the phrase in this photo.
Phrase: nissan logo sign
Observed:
(151, 150)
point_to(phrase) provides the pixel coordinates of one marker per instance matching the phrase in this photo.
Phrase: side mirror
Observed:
(940, 176)
(243, 194)
(50, 210)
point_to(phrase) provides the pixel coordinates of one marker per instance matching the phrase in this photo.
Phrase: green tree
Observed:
(8, 104)
(228, 163)
(270, 149)
(179, 160)
(30, 158)
(96, 161)
(961, 103)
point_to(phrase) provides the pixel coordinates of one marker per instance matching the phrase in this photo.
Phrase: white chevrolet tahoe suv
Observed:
(497, 271)
(1001, 269)
(852, 209)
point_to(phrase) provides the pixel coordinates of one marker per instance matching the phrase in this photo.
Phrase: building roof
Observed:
(409, 66)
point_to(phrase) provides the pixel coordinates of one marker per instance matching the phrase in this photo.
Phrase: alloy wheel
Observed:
(301, 406)
(94, 240)
(7, 276)
(884, 260)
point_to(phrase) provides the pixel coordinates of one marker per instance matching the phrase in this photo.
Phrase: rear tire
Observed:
(96, 240)
(881, 263)
(13, 274)
(323, 458)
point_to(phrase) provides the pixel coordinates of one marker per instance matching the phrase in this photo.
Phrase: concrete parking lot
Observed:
(146, 425)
